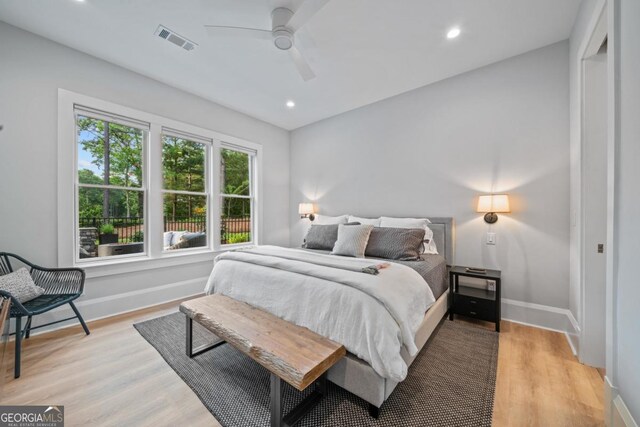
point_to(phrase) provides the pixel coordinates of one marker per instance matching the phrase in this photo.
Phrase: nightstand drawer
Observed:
(474, 307)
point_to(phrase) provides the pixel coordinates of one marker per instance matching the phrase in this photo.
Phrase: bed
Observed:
(382, 327)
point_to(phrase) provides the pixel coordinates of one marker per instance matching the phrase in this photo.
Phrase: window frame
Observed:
(154, 255)
(208, 173)
(86, 112)
(252, 195)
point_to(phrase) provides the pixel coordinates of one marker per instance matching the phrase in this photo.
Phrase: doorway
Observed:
(594, 199)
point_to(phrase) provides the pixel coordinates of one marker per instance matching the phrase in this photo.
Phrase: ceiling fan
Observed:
(284, 25)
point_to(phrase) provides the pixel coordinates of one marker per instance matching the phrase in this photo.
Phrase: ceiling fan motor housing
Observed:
(282, 36)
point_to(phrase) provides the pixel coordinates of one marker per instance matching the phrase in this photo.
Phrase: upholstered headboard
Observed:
(444, 235)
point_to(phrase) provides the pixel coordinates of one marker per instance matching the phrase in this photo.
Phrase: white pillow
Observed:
(365, 221)
(166, 238)
(324, 220)
(429, 246)
(352, 240)
(387, 221)
(176, 236)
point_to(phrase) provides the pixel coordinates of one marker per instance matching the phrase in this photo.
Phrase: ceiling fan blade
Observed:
(301, 64)
(224, 31)
(305, 12)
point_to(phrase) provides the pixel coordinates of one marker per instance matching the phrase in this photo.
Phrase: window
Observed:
(110, 185)
(137, 188)
(236, 196)
(185, 197)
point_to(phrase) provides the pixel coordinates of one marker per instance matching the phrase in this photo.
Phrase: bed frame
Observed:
(356, 375)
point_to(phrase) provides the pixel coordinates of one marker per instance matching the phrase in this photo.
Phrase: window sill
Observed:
(142, 263)
(235, 246)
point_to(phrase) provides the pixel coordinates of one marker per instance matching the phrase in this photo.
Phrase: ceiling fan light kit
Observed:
(284, 24)
(283, 39)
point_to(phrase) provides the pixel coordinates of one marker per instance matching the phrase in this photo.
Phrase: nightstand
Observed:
(474, 302)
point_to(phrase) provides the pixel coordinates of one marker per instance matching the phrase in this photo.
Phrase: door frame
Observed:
(597, 35)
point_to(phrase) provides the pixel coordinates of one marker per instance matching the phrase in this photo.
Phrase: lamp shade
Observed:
(496, 203)
(305, 208)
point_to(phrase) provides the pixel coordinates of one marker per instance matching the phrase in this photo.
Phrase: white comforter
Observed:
(373, 316)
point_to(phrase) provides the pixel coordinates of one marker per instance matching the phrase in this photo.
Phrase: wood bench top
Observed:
(295, 354)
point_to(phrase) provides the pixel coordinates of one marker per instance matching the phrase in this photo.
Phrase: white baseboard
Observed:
(112, 305)
(544, 317)
(616, 413)
(621, 416)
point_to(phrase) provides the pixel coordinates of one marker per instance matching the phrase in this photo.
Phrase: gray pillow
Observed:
(322, 236)
(352, 240)
(403, 244)
(20, 285)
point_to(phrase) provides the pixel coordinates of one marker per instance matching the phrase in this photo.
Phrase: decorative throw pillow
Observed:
(167, 236)
(20, 285)
(352, 240)
(322, 236)
(429, 246)
(194, 240)
(402, 244)
(176, 237)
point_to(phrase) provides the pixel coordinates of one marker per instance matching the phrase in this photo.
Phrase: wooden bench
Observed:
(289, 352)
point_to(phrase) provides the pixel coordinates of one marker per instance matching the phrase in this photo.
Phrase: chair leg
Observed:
(18, 351)
(79, 316)
(28, 328)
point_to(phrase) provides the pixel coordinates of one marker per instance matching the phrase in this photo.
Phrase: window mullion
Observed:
(112, 187)
(155, 212)
(185, 193)
(215, 200)
(235, 196)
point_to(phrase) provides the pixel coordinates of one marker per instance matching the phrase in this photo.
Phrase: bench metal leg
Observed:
(276, 401)
(303, 408)
(374, 411)
(189, 344)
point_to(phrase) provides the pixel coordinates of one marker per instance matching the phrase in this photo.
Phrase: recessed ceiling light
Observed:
(80, 1)
(453, 33)
(290, 104)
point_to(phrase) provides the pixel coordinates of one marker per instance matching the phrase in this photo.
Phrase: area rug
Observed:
(451, 382)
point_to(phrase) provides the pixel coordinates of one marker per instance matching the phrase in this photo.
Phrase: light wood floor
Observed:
(114, 377)
(541, 383)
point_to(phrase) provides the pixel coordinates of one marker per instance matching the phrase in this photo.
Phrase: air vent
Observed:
(178, 40)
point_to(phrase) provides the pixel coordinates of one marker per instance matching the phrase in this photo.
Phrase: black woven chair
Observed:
(61, 286)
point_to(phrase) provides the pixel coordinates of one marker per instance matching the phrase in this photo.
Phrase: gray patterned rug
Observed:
(451, 382)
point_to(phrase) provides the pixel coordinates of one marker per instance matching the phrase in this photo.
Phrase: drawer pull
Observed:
(473, 312)
(472, 301)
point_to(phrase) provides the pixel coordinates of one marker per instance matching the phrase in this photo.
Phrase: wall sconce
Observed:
(306, 211)
(492, 205)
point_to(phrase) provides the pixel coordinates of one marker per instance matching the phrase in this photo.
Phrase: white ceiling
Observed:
(362, 51)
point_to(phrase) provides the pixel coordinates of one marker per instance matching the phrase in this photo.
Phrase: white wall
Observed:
(31, 71)
(432, 151)
(626, 351)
